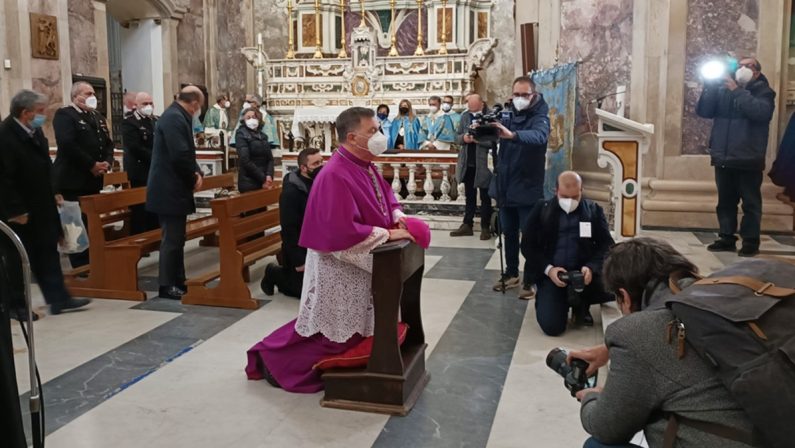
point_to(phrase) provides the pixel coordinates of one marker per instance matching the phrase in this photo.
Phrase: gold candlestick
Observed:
(443, 48)
(419, 51)
(393, 51)
(343, 53)
(363, 23)
(290, 53)
(318, 50)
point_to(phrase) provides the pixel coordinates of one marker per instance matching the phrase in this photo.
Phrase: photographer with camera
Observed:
(519, 173)
(677, 401)
(473, 170)
(741, 106)
(565, 242)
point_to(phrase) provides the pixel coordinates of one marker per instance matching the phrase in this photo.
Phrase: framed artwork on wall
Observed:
(44, 36)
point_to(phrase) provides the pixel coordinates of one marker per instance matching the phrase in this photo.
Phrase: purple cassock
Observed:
(347, 200)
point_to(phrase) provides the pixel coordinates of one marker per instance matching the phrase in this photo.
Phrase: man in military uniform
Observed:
(138, 132)
(85, 150)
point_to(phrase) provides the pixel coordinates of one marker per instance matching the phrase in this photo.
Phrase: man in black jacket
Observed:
(520, 169)
(173, 177)
(27, 200)
(741, 107)
(138, 137)
(85, 150)
(292, 205)
(567, 233)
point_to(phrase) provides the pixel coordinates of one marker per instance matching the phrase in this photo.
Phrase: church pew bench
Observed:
(119, 180)
(248, 228)
(395, 375)
(112, 272)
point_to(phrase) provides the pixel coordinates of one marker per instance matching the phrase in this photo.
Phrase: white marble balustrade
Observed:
(412, 170)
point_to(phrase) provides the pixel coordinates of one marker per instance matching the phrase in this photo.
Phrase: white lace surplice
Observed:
(337, 299)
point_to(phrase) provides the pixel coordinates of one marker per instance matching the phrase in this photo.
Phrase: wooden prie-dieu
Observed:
(395, 375)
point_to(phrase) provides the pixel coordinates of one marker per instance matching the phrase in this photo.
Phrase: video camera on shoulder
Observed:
(481, 128)
(575, 376)
(575, 285)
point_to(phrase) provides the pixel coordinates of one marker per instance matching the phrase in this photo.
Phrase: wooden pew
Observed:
(395, 375)
(112, 272)
(115, 178)
(242, 242)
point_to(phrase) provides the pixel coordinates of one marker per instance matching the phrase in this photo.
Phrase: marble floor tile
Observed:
(442, 238)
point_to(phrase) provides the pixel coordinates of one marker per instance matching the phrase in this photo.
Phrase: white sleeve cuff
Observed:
(547, 269)
(397, 215)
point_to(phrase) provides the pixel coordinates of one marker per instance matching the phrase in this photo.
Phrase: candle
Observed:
(259, 38)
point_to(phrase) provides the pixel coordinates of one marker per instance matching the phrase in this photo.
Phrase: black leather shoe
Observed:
(22, 315)
(171, 293)
(748, 251)
(71, 304)
(267, 284)
(722, 246)
(587, 320)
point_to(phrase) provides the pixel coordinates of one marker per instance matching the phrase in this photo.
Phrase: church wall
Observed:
(234, 25)
(270, 19)
(82, 42)
(190, 42)
(498, 77)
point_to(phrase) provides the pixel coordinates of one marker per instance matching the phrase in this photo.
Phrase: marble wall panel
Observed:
(270, 19)
(190, 42)
(498, 77)
(46, 74)
(231, 37)
(712, 31)
(82, 39)
(599, 36)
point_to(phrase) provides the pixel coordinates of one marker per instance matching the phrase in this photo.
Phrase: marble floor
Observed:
(160, 374)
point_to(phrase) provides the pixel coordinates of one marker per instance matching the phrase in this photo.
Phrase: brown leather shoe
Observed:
(464, 230)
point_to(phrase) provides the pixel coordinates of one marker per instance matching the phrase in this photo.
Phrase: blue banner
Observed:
(559, 87)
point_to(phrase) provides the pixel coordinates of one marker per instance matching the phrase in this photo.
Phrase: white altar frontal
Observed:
(329, 67)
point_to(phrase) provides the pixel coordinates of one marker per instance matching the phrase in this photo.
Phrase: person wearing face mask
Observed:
(85, 150)
(217, 117)
(385, 124)
(173, 177)
(28, 202)
(649, 382)
(138, 131)
(405, 132)
(563, 234)
(130, 103)
(289, 278)
(254, 154)
(741, 108)
(438, 131)
(351, 211)
(447, 107)
(518, 183)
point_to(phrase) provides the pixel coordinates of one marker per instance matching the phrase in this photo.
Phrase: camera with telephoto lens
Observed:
(575, 376)
(575, 285)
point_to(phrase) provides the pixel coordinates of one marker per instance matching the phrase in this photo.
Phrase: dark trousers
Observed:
(45, 265)
(512, 220)
(288, 280)
(552, 304)
(140, 219)
(172, 250)
(593, 443)
(736, 185)
(471, 193)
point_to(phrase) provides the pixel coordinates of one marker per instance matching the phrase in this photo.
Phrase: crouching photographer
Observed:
(565, 242)
(675, 400)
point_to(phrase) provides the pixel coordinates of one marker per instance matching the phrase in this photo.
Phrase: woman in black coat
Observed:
(254, 154)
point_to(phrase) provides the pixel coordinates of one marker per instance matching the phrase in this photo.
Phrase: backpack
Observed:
(741, 320)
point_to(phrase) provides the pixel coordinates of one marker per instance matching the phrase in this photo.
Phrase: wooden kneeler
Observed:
(395, 375)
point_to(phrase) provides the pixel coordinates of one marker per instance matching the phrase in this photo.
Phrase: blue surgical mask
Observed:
(38, 121)
(382, 116)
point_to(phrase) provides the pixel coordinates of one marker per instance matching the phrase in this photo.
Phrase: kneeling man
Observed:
(351, 210)
(566, 234)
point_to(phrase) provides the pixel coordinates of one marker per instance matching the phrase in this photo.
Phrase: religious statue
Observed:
(44, 36)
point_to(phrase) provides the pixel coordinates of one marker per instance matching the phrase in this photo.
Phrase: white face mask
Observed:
(743, 75)
(447, 107)
(246, 105)
(377, 144)
(252, 123)
(147, 110)
(434, 109)
(520, 103)
(568, 205)
(91, 102)
(227, 104)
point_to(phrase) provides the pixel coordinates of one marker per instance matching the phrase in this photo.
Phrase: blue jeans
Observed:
(593, 443)
(512, 221)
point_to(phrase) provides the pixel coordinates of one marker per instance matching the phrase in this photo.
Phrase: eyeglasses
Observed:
(522, 95)
(750, 65)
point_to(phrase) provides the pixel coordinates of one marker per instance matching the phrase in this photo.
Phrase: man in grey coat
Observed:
(173, 177)
(648, 383)
(473, 171)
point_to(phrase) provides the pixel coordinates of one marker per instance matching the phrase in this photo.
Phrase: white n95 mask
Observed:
(91, 102)
(377, 144)
(743, 75)
(568, 205)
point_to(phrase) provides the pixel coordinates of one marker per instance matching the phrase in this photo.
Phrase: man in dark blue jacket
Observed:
(564, 234)
(519, 175)
(173, 177)
(741, 107)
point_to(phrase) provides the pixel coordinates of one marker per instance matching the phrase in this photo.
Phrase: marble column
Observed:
(102, 64)
(170, 58)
